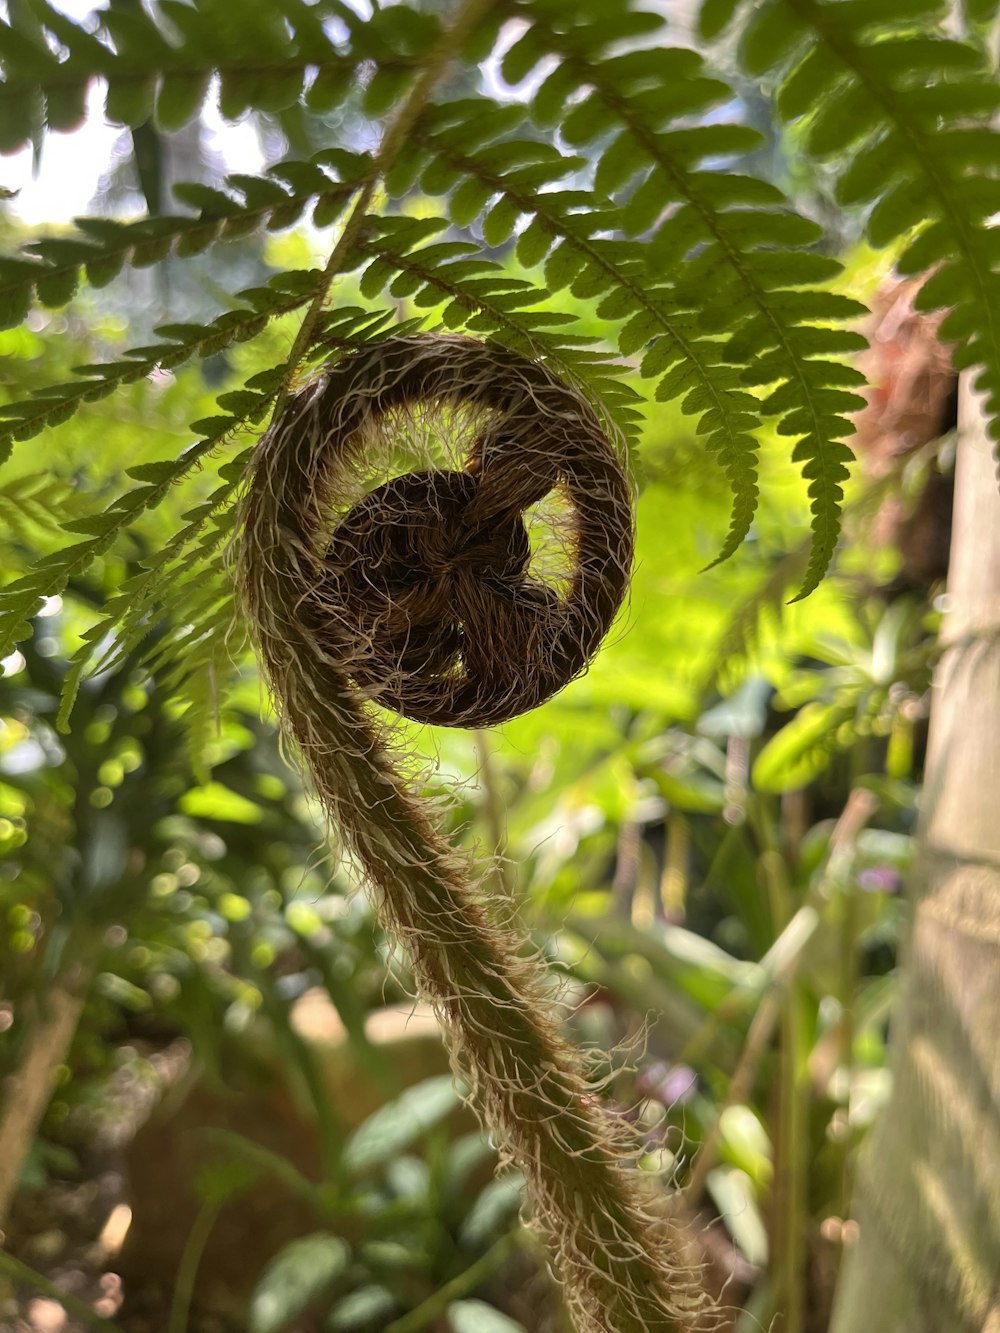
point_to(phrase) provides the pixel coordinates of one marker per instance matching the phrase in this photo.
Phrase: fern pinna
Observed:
(607, 160)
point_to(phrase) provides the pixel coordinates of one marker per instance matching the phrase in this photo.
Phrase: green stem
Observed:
(789, 1219)
(467, 1281)
(302, 1058)
(848, 987)
(858, 810)
(493, 810)
(187, 1270)
(793, 1202)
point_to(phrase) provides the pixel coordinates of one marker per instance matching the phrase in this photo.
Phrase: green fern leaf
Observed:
(161, 61)
(904, 113)
(739, 263)
(715, 16)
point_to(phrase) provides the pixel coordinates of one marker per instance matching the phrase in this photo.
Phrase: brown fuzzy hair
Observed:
(420, 593)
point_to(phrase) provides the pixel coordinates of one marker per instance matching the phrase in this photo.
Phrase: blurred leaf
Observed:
(493, 1210)
(468, 1154)
(220, 1182)
(295, 1278)
(394, 1127)
(478, 1317)
(693, 793)
(242, 1155)
(743, 714)
(362, 1309)
(214, 801)
(801, 750)
(736, 1201)
(409, 1177)
(695, 966)
(746, 1144)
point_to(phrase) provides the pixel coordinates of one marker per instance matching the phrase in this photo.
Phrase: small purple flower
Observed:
(671, 1085)
(880, 879)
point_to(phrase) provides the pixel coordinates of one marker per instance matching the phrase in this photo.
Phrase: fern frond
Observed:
(37, 501)
(193, 661)
(723, 256)
(178, 584)
(159, 62)
(454, 149)
(56, 403)
(903, 111)
(21, 599)
(157, 593)
(52, 268)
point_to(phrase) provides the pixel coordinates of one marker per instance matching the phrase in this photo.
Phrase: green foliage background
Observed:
(580, 185)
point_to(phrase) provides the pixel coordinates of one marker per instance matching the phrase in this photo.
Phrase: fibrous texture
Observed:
(428, 592)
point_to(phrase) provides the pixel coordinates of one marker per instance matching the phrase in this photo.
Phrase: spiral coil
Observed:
(425, 591)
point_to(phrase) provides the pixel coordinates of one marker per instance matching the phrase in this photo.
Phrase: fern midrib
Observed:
(541, 346)
(471, 300)
(63, 75)
(853, 58)
(394, 136)
(585, 247)
(591, 74)
(732, 256)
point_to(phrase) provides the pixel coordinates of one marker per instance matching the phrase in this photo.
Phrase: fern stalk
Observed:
(622, 1272)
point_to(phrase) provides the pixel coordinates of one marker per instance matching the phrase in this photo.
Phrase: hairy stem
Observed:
(623, 1268)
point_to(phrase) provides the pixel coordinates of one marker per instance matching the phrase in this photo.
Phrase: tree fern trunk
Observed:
(928, 1256)
(30, 1089)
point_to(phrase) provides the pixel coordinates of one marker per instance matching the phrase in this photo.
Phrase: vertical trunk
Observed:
(928, 1196)
(28, 1092)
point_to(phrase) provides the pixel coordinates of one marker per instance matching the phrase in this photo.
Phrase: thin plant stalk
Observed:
(436, 1306)
(190, 1262)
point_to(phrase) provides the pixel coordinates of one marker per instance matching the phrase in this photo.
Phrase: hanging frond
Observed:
(52, 268)
(159, 61)
(506, 182)
(722, 253)
(163, 591)
(182, 585)
(37, 501)
(902, 112)
(20, 599)
(56, 403)
(616, 179)
(194, 661)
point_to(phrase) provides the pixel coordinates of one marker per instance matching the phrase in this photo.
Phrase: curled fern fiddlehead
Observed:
(408, 601)
(425, 590)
